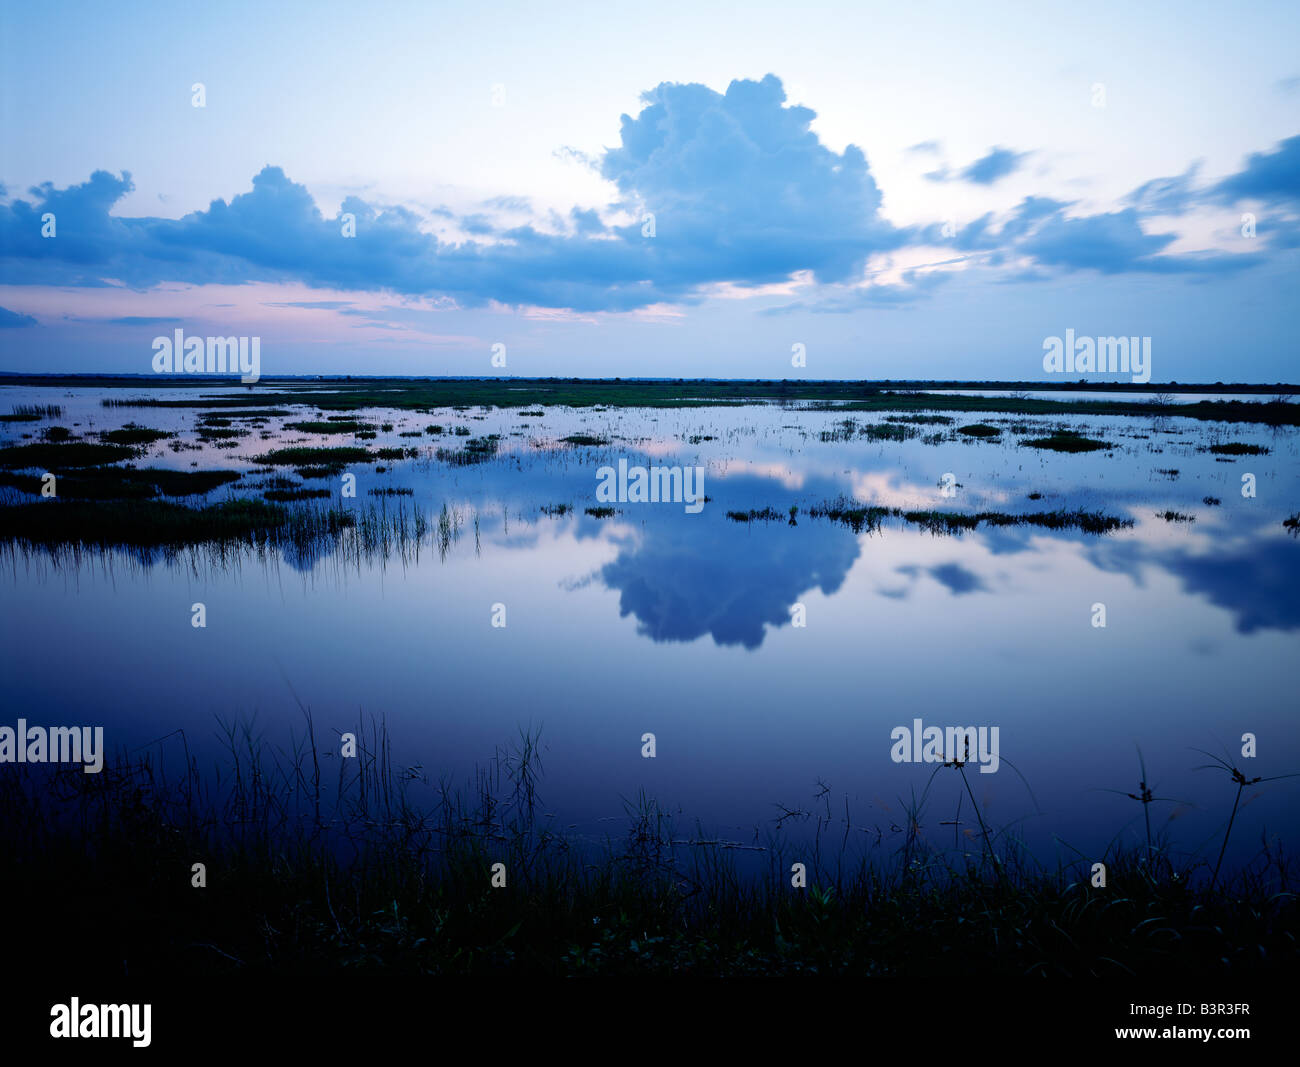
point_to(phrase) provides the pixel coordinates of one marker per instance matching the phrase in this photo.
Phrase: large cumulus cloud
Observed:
(741, 189)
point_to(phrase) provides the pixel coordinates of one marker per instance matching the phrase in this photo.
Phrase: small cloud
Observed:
(1166, 196)
(311, 305)
(1268, 176)
(572, 155)
(510, 203)
(996, 165)
(931, 147)
(12, 320)
(144, 320)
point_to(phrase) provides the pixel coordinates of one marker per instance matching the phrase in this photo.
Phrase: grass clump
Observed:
(601, 512)
(131, 434)
(476, 450)
(856, 517)
(62, 456)
(32, 412)
(330, 425)
(979, 429)
(328, 459)
(1238, 448)
(1093, 522)
(755, 515)
(285, 496)
(1067, 441)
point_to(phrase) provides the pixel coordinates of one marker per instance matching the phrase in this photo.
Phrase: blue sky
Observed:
(905, 190)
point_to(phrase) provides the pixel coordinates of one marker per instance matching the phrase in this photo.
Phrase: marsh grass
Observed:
(29, 412)
(1238, 448)
(131, 434)
(125, 483)
(1067, 441)
(859, 517)
(331, 425)
(64, 456)
(476, 450)
(317, 863)
(755, 515)
(330, 459)
(422, 395)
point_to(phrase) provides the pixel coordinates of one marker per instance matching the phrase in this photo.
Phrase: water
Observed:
(661, 621)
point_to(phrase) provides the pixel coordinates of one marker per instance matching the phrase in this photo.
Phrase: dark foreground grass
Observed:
(316, 864)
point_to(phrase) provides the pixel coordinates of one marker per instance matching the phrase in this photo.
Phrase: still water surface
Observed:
(656, 620)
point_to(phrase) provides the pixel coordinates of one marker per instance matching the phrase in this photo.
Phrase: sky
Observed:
(924, 190)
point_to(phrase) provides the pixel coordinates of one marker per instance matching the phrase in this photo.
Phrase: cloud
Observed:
(1273, 177)
(989, 168)
(144, 320)
(310, 305)
(1166, 196)
(1108, 243)
(744, 194)
(741, 188)
(12, 320)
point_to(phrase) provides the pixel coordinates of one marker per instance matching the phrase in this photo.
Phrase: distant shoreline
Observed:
(156, 381)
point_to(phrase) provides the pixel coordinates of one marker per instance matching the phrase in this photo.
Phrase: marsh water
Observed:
(656, 620)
